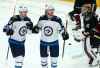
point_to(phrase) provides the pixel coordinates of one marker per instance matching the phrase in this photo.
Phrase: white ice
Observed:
(74, 56)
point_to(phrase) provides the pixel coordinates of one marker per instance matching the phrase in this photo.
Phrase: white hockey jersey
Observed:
(19, 27)
(50, 29)
(20, 30)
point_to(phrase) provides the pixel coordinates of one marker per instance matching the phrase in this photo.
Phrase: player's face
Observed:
(23, 13)
(86, 8)
(50, 12)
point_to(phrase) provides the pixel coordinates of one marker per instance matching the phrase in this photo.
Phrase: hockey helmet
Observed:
(49, 7)
(23, 8)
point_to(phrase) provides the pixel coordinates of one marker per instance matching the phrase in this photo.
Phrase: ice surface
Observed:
(74, 54)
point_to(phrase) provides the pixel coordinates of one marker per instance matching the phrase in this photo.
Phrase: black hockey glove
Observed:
(65, 36)
(29, 26)
(5, 29)
(10, 32)
(35, 29)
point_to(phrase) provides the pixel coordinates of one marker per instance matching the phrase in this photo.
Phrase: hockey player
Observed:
(17, 28)
(75, 14)
(89, 24)
(50, 27)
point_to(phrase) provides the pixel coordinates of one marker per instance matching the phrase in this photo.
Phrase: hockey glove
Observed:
(29, 26)
(8, 30)
(5, 29)
(35, 29)
(65, 36)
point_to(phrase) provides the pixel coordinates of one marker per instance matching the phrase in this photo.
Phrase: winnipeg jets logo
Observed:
(23, 31)
(48, 31)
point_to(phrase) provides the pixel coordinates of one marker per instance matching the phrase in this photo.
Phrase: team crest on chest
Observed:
(48, 31)
(23, 31)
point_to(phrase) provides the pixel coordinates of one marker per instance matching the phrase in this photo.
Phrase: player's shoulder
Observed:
(56, 19)
(15, 16)
(43, 17)
(18, 18)
(27, 18)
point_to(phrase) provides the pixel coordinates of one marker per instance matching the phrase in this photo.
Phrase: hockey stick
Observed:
(7, 55)
(64, 41)
(63, 49)
(12, 26)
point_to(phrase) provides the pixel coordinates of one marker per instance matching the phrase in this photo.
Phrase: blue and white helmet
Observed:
(49, 7)
(23, 8)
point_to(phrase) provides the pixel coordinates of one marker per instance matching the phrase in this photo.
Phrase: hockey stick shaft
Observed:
(63, 51)
(7, 53)
(12, 25)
